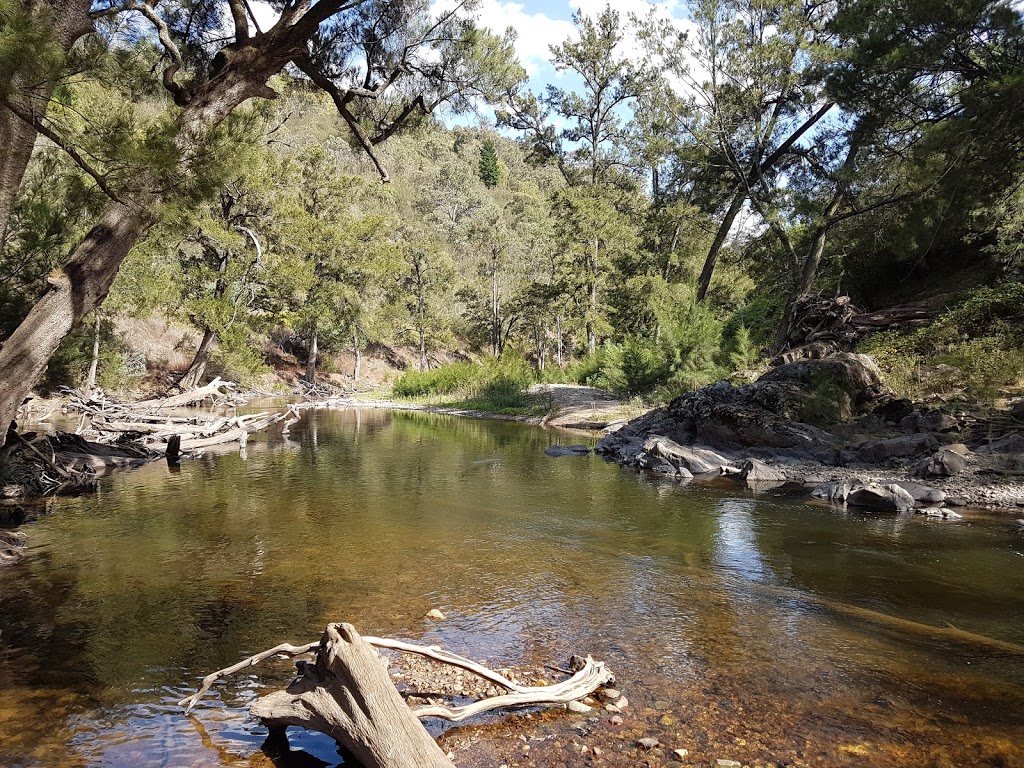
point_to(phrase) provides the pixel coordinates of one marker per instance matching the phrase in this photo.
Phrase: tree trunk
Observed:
(704, 281)
(314, 338)
(90, 382)
(496, 344)
(348, 694)
(69, 21)
(591, 314)
(558, 338)
(84, 282)
(74, 292)
(191, 378)
(358, 353)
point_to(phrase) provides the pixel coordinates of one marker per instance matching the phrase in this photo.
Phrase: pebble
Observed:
(578, 707)
(598, 751)
(610, 694)
(667, 720)
(433, 613)
(611, 708)
(616, 720)
(680, 754)
(647, 743)
(622, 702)
(728, 764)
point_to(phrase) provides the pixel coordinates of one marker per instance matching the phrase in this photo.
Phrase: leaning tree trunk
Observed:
(68, 21)
(74, 292)
(704, 281)
(349, 694)
(83, 283)
(197, 368)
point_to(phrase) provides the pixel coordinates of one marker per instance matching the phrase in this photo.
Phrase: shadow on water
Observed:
(741, 627)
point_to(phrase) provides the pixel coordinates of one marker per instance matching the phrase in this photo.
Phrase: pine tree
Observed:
(489, 172)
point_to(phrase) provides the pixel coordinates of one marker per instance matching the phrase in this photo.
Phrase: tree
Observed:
(490, 174)
(750, 92)
(319, 39)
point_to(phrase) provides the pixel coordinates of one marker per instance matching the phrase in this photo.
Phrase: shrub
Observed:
(435, 381)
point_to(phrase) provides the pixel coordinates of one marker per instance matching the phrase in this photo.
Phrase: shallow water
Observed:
(754, 628)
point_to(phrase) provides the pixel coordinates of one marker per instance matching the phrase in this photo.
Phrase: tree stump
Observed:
(348, 694)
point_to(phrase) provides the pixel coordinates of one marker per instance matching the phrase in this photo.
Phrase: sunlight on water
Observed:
(760, 624)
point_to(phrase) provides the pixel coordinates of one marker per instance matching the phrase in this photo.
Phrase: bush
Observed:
(435, 381)
(977, 347)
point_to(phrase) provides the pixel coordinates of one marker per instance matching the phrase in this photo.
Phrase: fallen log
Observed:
(348, 694)
(213, 389)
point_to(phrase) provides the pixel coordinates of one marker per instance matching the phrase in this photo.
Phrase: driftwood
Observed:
(198, 395)
(348, 694)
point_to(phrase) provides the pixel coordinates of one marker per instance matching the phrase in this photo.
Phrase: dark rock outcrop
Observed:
(905, 446)
(775, 415)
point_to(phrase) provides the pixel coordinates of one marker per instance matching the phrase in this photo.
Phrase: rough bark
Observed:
(194, 374)
(704, 281)
(348, 694)
(74, 292)
(69, 21)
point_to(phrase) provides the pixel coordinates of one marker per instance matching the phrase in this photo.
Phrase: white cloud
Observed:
(535, 32)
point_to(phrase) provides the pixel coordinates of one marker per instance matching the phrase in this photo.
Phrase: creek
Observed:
(712, 605)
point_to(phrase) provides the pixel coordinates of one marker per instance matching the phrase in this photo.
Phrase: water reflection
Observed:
(711, 605)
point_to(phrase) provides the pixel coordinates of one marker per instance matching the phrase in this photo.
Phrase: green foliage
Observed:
(976, 347)
(490, 174)
(445, 380)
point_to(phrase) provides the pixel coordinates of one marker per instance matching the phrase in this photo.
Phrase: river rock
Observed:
(757, 472)
(578, 707)
(922, 494)
(941, 512)
(958, 448)
(567, 450)
(1007, 444)
(1017, 411)
(881, 451)
(894, 409)
(436, 615)
(941, 464)
(836, 493)
(928, 420)
(647, 743)
(728, 764)
(881, 498)
(698, 461)
(680, 754)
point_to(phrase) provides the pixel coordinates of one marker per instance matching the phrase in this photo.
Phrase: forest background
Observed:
(644, 224)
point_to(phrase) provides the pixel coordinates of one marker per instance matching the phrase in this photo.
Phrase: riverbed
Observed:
(754, 628)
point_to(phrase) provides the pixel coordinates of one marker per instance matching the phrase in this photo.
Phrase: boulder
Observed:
(928, 420)
(881, 498)
(754, 472)
(698, 461)
(836, 493)
(1007, 444)
(941, 512)
(942, 464)
(922, 494)
(881, 451)
(894, 410)
(960, 448)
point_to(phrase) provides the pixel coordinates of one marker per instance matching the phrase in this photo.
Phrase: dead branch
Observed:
(347, 693)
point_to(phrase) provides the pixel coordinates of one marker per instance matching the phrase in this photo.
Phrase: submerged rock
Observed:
(568, 450)
(941, 512)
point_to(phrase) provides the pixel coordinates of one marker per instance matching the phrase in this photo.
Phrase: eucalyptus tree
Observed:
(749, 89)
(355, 50)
